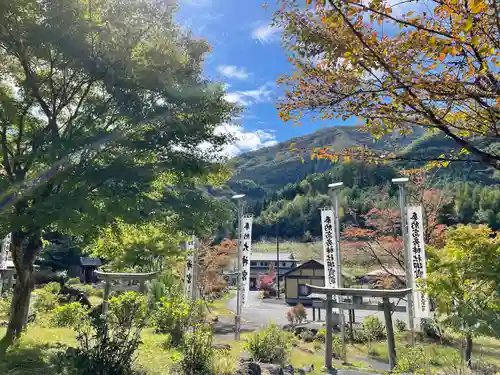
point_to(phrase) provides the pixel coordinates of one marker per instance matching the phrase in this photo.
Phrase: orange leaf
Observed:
(442, 56)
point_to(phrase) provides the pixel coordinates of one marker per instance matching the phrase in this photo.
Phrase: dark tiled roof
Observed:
(87, 262)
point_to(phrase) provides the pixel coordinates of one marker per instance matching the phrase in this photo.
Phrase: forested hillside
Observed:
(282, 188)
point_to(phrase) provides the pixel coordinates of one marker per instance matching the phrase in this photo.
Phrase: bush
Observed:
(430, 329)
(5, 302)
(127, 310)
(400, 325)
(271, 345)
(224, 364)
(90, 290)
(373, 328)
(45, 300)
(321, 335)
(54, 288)
(359, 336)
(106, 349)
(174, 315)
(306, 336)
(338, 351)
(198, 354)
(73, 281)
(413, 361)
(297, 314)
(70, 315)
(317, 346)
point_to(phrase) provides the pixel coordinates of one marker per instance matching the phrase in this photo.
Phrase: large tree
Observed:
(463, 279)
(102, 105)
(432, 64)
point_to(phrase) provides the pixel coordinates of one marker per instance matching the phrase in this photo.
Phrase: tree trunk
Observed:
(468, 351)
(25, 248)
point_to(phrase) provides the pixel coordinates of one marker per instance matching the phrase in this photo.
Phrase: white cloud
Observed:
(197, 3)
(265, 33)
(243, 140)
(249, 97)
(232, 71)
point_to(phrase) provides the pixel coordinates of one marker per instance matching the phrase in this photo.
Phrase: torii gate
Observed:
(357, 295)
(109, 277)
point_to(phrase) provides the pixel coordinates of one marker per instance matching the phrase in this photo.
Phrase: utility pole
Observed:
(237, 318)
(334, 191)
(277, 258)
(406, 253)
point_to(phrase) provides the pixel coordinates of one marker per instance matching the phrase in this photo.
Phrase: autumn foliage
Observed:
(431, 64)
(213, 259)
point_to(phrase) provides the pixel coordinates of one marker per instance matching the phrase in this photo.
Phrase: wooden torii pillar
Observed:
(109, 277)
(386, 306)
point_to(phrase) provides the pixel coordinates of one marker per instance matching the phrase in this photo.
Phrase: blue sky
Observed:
(247, 56)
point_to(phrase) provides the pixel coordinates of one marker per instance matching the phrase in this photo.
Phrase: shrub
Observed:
(106, 349)
(271, 345)
(90, 290)
(127, 309)
(430, 329)
(297, 314)
(413, 361)
(198, 354)
(5, 302)
(174, 315)
(359, 336)
(44, 300)
(338, 351)
(70, 315)
(321, 335)
(317, 346)
(373, 328)
(73, 281)
(306, 336)
(224, 364)
(400, 325)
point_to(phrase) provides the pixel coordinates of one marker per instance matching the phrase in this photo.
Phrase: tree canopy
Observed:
(431, 64)
(102, 107)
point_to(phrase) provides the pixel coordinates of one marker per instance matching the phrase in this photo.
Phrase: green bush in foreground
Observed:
(373, 328)
(271, 345)
(197, 352)
(70, 315)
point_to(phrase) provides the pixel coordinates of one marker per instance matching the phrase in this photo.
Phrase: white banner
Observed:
(246, 254)
(5, 251)
(417, 259)
(331, 263)
(189, 275)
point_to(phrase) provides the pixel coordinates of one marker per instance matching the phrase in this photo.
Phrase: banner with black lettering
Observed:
(245, 244)
(189, 273)
(330, 261)
(417, 259)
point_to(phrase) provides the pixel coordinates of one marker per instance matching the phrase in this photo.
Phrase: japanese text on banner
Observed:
(246, 255)
(417, 259)
(329, 254)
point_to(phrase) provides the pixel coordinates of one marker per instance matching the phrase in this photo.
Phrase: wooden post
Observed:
(314, 314)
(142, 287)
(391, 345)
(107, 291)
(319, 314)
(329, 331)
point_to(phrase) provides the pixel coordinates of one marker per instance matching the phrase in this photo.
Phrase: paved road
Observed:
(263, 312)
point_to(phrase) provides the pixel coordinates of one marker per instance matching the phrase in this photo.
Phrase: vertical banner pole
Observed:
(418, 259)
(338, 272)
(406, 254)
(246, 255)
(188, 274)
(237, 318)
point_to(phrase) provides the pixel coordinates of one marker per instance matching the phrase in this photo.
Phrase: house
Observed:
(261, 263)
(87, 268)
(311, 272)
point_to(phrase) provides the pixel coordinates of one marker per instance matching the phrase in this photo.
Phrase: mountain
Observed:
(274, 167)
(287, 185)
